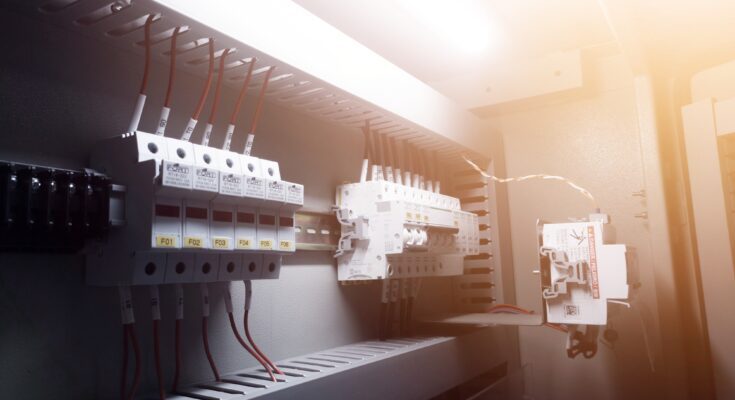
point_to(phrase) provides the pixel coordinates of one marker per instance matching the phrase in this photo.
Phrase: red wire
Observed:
(157, 355)
(500, 307)
(147, 42)
(205, 338)
(218, 85)
(136, 351)
(177, 355)
(172, 68)
(245, 345)
(260, 99)
(244, 89)
(207, 84)
(255, 347)
(124, 378)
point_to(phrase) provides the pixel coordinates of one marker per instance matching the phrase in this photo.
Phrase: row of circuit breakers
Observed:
(182, 212)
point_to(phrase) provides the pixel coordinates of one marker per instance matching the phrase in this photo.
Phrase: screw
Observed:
(641, 215)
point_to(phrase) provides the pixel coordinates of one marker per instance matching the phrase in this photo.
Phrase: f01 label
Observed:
(167, 241)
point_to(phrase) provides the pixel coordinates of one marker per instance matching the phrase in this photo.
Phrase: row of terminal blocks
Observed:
(185, 203)
(391, 230)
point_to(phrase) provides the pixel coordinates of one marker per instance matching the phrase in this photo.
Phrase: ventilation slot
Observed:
(57, 5)
(220, 389)
(244, 383)
(298, 368)
(261, 377)
(316, 364)
(101, 13)
(138, 23)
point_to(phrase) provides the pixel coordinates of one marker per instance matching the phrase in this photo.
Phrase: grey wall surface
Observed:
(59, 339)
(593, 140)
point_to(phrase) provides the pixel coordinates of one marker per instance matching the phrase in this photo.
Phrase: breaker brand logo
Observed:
(276, 185)
(205, 173)
(254, 181)
(294, 189)
(177, 168)
(231, 178)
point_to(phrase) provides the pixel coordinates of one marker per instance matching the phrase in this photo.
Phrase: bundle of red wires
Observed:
(513, 309)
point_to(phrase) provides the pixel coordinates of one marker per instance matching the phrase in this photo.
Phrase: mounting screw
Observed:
(641, 215)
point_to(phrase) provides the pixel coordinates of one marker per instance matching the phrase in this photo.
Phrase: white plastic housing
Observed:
(391, 230)
(182, 206)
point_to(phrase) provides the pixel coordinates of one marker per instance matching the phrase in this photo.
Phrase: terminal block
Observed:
(396, 231)
(580, 271)
(52, 209)
(193, 214)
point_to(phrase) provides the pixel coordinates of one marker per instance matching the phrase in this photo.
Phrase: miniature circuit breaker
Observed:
(396, 231)
(193, 214)
(580, 272)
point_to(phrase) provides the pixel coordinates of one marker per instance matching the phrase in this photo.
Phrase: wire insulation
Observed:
(172, 68)
(239, 338)
(177, 356)
(576, 187)
(205, 339)
(147, 44)
(157, 358)
(513, 309)
(255, 346)
(261, 96)
(207, 83)
(243, 90)
(136, 351)
(218, 86)
(124, 373)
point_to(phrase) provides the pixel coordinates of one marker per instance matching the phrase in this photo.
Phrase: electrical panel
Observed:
(391, 230)
(580, 273)
(193, 213)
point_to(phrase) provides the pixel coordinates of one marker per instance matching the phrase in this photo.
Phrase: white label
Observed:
(295, 194)
(177, 175)
(205, 299)
(179, 301)
(163, 121)
(230, 184)
(228, 298)
(248, 294)
(254, 187)
(276, 191)
(206, 179)
(126, 305)
(155, 303)
(186, 136)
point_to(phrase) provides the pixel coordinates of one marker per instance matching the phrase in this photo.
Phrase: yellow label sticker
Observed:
(168, 241)
(266, 244)
(426, 217)
(285, 245)
(193, 242)
(418, 217)
(220, 243)
(408, 215)
(244, 244)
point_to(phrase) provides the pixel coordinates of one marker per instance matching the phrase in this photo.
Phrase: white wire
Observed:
(576, 187)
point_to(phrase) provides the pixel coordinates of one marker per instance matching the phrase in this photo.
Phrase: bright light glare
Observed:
(465, 24)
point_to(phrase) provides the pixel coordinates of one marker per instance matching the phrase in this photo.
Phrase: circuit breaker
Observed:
(193, 213)
(391, 230)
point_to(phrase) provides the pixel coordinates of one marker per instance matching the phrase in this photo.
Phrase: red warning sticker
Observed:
(593, 262)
